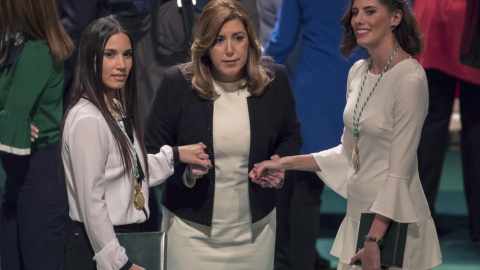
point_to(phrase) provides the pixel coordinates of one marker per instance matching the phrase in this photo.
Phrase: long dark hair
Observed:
(407, 32)
(87, 83)
(36, 20)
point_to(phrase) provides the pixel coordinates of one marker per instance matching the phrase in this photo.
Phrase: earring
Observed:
(393, 28)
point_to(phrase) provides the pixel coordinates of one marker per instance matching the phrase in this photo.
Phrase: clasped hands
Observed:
(194, 155)
(269, 173)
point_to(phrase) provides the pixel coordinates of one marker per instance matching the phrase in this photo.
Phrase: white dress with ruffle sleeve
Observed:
(387, 182)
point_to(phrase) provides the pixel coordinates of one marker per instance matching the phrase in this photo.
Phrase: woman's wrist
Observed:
(299, 163)
(285, 162)
(187, 180)
(190, 174)
(372, 239)
(371, 246)
(176, 155)
(370, 243)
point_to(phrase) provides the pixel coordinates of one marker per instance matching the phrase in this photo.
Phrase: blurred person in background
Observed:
(442, 23)
(33, 46)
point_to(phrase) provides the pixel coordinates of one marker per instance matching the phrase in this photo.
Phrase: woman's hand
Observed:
(136, 267)
(369, 255)
(194, 154)
(197, 171)
(34, 132)
(269, 173)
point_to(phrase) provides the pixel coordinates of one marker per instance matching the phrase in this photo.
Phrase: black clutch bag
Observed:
(146, 249)
(393, 248)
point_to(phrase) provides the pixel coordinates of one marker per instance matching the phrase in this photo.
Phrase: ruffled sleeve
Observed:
(409, 109)
(395, 201)
(15, 133)
(333, 164)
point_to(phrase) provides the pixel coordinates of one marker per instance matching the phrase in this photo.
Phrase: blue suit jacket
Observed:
(319, 80)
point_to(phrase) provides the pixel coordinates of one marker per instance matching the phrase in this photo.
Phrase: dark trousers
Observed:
(298, 218)
(79, 252)
(434, 141)
(33, 211)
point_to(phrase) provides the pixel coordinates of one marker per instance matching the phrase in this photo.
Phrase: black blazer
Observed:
(179, 117)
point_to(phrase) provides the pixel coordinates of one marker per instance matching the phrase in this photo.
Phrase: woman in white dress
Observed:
(375, 166)
(225, 98)
(106, 165)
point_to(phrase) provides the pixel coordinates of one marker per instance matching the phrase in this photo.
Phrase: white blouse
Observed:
(387, 182)
(100, 191)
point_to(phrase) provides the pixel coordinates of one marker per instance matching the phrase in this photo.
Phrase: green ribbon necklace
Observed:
(138, 198)
(356, 120)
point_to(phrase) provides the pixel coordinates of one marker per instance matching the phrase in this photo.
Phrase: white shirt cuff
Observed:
(188, 178)
(111, 257)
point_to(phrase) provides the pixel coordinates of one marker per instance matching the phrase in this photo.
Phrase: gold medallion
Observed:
(138, 198)
(356, 158)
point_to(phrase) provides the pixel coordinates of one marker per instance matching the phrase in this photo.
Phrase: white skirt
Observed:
(344, 266)
(192, 246)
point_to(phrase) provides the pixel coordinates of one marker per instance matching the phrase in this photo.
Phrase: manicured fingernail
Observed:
(209, 166)
(264, 180)
(256, 176)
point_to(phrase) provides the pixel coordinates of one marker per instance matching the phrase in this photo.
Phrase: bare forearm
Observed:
(300, 163)
(379, 226)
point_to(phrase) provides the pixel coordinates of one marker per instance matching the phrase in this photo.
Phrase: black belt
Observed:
(127, 228)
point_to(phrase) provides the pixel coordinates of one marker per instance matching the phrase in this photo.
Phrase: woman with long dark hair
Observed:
(375, 166)
(107, 167)
(33, 46)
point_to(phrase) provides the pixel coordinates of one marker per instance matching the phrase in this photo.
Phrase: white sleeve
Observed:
(88, 144)
(188, 178)
(160, 165)
(409, 109)
(334, 164)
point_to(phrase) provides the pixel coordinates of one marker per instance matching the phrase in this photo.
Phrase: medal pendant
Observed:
(356, 158)
(138, 198)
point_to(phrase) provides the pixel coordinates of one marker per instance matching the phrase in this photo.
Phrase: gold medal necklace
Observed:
(138, 198)
(356, 120)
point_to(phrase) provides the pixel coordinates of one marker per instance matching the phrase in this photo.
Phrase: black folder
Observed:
(146, 249)
(393, 248)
